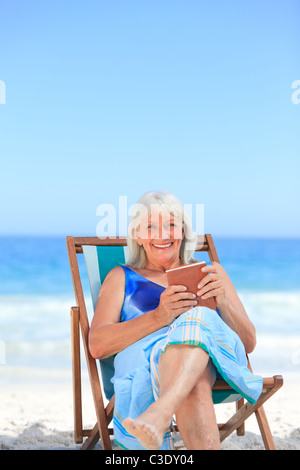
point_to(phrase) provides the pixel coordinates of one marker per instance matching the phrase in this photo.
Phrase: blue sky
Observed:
(111, 98)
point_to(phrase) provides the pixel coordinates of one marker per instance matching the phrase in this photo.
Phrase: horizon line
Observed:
(224, 236)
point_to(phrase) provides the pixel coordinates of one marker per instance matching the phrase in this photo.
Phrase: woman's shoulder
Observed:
(116, 275)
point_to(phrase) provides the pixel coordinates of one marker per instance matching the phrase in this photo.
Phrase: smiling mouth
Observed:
(162, 246)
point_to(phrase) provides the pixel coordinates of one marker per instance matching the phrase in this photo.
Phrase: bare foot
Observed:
(146, 433)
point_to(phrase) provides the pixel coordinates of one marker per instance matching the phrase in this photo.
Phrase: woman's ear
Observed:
(136, 236)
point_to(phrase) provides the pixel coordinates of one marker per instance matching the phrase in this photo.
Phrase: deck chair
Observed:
(101, 255)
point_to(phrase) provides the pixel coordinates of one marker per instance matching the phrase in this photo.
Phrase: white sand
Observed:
(40, 416)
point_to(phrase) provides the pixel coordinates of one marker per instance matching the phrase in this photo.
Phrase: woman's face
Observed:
(161, 235)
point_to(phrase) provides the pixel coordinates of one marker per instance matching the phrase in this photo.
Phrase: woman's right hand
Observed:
(174, 301)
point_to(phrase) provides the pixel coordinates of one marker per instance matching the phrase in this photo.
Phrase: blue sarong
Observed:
(136, 378)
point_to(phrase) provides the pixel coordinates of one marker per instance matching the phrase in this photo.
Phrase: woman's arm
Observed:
(109, 336)
(218, 284)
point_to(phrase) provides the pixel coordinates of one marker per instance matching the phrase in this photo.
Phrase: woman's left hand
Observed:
(218, 284)
(215, 284)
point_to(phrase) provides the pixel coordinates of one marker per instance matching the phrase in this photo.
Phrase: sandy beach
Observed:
(39, 416)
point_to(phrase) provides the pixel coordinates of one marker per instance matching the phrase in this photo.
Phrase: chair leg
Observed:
(94, 436)
(92, 440)
(96, 389)
(247, 410)
(76, 369)
(240, 431)
(265, 429)
(98, 400)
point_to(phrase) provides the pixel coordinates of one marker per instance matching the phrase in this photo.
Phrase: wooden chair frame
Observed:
(80, 322)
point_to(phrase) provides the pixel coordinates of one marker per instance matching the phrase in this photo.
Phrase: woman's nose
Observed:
(163, 233)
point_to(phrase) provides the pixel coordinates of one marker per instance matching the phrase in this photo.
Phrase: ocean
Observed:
(36, 294)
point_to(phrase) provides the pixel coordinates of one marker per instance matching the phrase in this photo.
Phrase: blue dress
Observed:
(136, 380)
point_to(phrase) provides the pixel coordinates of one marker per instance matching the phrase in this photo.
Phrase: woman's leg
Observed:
(180, 368)
(195, 417)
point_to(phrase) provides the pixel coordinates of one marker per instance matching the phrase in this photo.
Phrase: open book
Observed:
(190, 275)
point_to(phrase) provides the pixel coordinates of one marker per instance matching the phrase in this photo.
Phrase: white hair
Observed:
(166, 203)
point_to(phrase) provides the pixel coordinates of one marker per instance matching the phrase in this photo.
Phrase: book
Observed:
(190, 275)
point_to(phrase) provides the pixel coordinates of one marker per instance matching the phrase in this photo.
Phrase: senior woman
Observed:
(169, 351)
